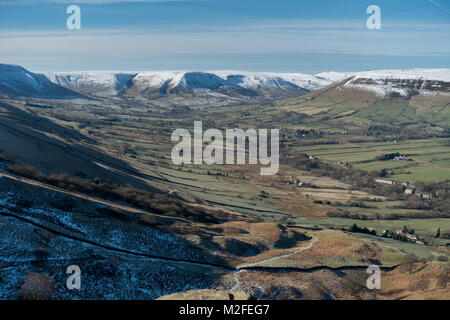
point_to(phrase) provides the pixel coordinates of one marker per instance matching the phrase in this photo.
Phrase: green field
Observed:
(430, 158)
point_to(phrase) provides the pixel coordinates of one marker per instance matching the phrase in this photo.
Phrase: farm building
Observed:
(425, 196)
(385, 181)
(402, 158)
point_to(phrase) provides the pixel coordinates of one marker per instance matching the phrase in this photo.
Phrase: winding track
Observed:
(257, 263)
(243, 267)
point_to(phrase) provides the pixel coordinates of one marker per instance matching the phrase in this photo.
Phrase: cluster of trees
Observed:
(8, 156)
(355, 228)
(440, 190)
(388, 216)
(387, 156)
(408, 230)
(150, 201)
(383, 132)
(445, 235)
(27, 171)
(400, 236)
(393, 235)
(380, 130)
(442, 234)
(351, 215)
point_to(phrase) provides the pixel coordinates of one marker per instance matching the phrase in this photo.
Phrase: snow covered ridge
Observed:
(260, 79)
(222, 83)
(115, 81)
(413, 74)
(110, 82)
(15, 80)
(381, 82)
(402, 82)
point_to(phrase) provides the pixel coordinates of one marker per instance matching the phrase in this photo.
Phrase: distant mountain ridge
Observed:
(233, 83)
(93, 82)
(237, 86)
(268, 84)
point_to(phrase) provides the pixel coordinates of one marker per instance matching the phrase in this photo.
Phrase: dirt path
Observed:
(258, 263)
(236, 280)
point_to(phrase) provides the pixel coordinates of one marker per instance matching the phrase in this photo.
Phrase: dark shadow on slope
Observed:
(16, 81)
(34, 141)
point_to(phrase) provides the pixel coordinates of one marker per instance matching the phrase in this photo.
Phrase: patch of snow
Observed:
(271, 79)
(111, 82)
(412, 74)
(333, 76)
(158, 78)
(383, 82)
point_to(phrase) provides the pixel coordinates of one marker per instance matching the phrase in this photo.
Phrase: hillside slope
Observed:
(404, 83)
(17, 81)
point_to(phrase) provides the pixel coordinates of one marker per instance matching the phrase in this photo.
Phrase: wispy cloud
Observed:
(256, 39)
(439, 5)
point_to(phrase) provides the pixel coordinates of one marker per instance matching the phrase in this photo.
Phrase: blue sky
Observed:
(257, 35)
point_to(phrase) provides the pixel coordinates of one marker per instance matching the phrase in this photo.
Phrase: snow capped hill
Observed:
(157, 79)
(269, 79)
(106, 82)
(401, 82)
(15, 80)
(228, 83)
(213, 79)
